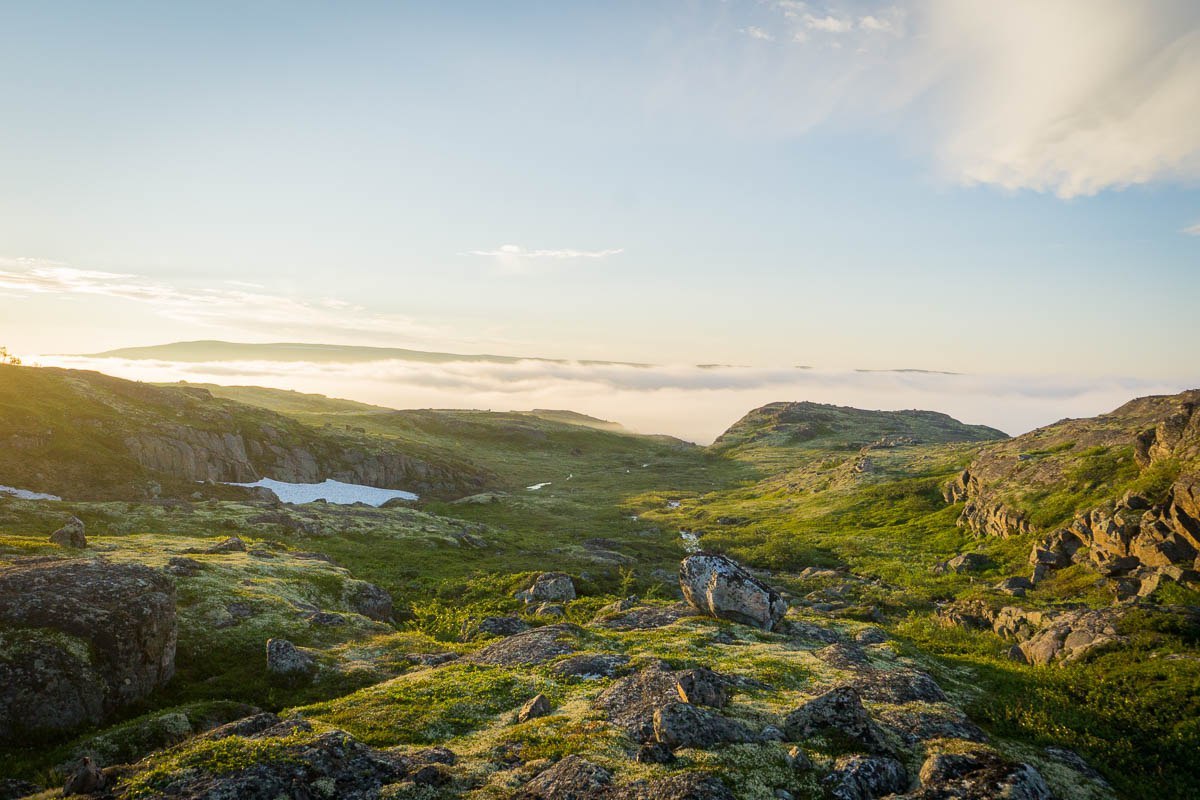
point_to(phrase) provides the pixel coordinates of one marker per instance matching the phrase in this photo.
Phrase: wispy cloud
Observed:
(1071, 97)
(234, 308)
(755, 32)
(1192, 230)
(513, 259)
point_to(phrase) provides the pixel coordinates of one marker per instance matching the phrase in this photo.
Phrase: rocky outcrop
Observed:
(838, 714)
(1129, 532)
(82, 639)
(682, 724)
(553, 587)
(536, 646)
(720, 587)
(1045, 637)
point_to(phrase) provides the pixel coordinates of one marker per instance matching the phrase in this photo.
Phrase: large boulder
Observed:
(685, 725)
(70, 535)
(554, 587)
(838, 715)
(858, 777)
(720, 587)
(81, 639)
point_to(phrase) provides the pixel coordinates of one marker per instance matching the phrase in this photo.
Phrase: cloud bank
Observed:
(695, 403)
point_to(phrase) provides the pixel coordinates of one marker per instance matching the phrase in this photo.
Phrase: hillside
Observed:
(87, 435)
(535, 636)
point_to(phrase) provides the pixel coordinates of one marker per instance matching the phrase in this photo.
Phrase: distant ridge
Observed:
(214, 350)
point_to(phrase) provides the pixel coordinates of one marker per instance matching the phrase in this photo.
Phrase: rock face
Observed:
(1127, 533)
(70, 535)
(83, 638)
(718, 586)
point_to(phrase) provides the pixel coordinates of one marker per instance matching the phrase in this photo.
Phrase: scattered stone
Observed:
(871, 635)
(369, 600)
(550, 610)
(978, 775)
(572, 777)
(590, 666)
(497, 626)
(858, 777)
(536, 706)
(720, 587)
(536, 646)
(654, 753)
(183, 567)
(649, 617)
(798, 759)
(702, 687)
(286, 660)
(431, 775)
(920, 723)
(555, 587)
(966, 562)
(87, 778)
(1015, 586)
(327, 619)
(70, 535)
(631, 701)
(685, 725)
(837, 714)
(431, 659)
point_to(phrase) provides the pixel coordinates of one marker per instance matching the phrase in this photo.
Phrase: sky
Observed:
(1000, 189)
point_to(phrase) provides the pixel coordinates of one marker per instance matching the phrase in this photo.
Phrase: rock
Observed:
(871, 635)
(555, 587)
(978, 775)
(969, 562)
(14, 789)
(898, 686)
(537, 706)
(86, 778)
(654, 753)
(798, 760)
(286, 660)
(70, 535)
(233, 544)
(497, 626)
(550, 610)
(857, 777)
(536, 646)
(80, 639)
(431, 659)
(702, 687)
(685, 725)
(631, 701)
(300, 758)
(369, 600)
(648, 617)
(923, 723)
(1070, 635)
(326, 619)
(183, 567)
(430, 775)
(839, 715)
(571, 778)
(1015, 586)
(619, 607)
(682, 786)
(590, 666)
(719, 587)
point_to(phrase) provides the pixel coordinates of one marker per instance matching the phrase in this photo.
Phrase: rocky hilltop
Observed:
(1120, 491)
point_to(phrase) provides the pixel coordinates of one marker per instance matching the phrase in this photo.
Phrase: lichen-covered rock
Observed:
(685, 725)
(647, 617)
(496, 626)
(702, 687)
(87, 637)
(86, 779)
(718, 586)
(631, 701)
(536, 646)
(839, 715)
(858, 777)
(536, 706)
(978, 775)
(369, 600)
(572, 778)
(590, 666)
(70, 535)
(285, 660)
(554, 587)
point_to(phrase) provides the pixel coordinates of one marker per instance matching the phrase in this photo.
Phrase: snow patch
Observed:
(25, 494)
(537, 486)
(330, 491)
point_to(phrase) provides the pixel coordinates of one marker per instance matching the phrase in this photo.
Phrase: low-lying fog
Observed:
(694, 403)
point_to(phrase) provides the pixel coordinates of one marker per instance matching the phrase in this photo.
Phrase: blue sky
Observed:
(970, 186)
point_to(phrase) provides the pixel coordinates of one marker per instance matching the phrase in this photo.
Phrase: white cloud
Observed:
(512, 259)
(1192, 230)
(228, 309)
(1070, 97)
(755, 32)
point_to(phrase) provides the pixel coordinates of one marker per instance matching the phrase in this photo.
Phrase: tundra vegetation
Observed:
(964, 612)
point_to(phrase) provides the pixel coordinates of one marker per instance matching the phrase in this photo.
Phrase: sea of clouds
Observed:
(694, 403)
